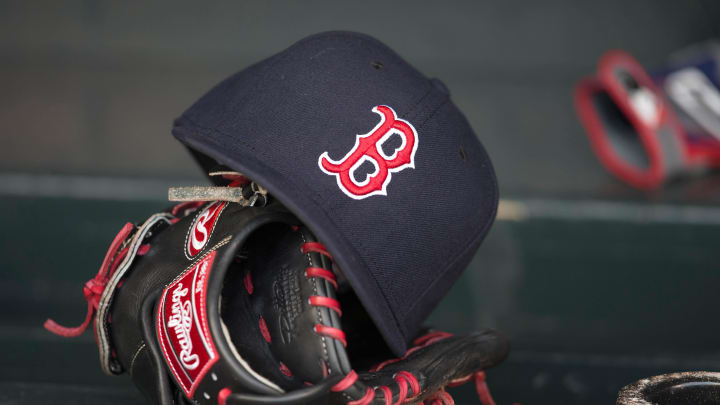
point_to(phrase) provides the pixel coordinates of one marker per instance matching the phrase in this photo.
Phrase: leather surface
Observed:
(434, 366)
(261, 274)
(295, 354)
(152, 272)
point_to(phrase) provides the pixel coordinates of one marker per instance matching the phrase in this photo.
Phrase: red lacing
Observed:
(405, 380)
(285, 370)
(315, 300)
(94, 288)
(482, 388)
(329, 331)
(223, 394)
(440, 398)
(327, 302)
(443, 398)
(316, 247)
(247, 281)
(320, 301)
(264, 331)
(322, 273)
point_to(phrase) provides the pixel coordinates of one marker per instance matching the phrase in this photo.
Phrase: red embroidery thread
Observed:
(368, 148)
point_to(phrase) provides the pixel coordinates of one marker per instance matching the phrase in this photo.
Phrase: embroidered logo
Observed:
(182, 326)
(369, 148)
(181, 323)
(202, 228)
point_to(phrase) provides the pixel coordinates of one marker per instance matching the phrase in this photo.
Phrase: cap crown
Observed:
(373, 156)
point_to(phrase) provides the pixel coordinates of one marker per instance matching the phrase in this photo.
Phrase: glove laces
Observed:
(94, 287)
(408, 384)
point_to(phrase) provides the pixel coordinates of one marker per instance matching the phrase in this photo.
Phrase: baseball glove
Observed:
(233, 301)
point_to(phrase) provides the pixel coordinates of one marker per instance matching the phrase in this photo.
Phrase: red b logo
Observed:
(368, 147)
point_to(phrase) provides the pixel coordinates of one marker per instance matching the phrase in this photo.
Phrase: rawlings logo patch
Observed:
(369, 148)
(182, 326)
(200, 231)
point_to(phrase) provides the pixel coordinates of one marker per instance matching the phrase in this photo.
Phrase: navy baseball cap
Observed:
(372, 155)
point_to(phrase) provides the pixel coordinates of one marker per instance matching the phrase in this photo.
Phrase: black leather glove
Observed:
(226, 303)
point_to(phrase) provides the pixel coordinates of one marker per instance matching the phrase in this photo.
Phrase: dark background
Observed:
(597, 284)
